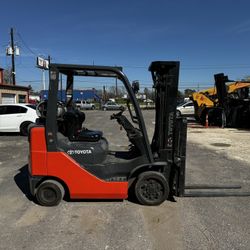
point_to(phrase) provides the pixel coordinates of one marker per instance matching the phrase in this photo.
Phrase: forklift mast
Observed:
(235, 109)
(221, 87)
(165, 77)
(169, 139)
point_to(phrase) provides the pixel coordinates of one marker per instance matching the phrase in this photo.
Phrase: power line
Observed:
(201, 67)
(25, 44)
(194, 83)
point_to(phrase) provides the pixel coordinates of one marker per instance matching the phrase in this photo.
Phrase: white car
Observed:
(84, 105)
(17, 117)
(185, 109)
(110, 105)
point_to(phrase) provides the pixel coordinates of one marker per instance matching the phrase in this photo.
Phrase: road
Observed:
(189, 223)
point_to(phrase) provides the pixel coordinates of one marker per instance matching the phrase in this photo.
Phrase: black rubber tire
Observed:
(151, 188)
(24, 128)
(49, 193)
(93, 107)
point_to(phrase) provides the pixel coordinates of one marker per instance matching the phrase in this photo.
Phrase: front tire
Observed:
(24, 128)
(49, 193)
(151, 188)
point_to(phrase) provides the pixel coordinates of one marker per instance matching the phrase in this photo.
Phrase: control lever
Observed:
(115, 116)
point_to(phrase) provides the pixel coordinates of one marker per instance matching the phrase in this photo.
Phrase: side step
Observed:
(213, 193)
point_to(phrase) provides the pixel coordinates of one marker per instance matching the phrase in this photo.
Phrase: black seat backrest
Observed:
(73, 121)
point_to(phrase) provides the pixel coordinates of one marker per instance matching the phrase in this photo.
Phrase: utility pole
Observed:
(43, 72)
(43, 64)
(13, 57)
(104, 93)
(116, 87)
(43, 79)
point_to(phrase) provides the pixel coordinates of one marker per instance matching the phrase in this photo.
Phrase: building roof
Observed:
(77, 95)
(13, 87)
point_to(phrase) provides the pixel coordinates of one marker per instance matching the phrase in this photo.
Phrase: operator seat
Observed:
(73, 120)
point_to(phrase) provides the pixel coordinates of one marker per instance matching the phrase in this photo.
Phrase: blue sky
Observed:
(207, 37)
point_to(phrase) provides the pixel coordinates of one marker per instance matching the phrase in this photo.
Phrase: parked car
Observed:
(17, 117)
(110, 105)
(84, 104)
(185, 109)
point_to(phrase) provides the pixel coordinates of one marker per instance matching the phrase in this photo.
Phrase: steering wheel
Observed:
(41, 109)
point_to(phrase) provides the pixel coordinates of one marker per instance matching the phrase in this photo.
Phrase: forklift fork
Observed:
(196, 190)
(214, 193)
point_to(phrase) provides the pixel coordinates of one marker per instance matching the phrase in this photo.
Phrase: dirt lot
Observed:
(214, 156)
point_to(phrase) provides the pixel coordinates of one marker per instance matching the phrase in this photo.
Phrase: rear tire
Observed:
(24, 128)
(151, 188)
(49, 193)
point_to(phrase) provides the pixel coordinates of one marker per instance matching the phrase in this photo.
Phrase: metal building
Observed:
(90, 95)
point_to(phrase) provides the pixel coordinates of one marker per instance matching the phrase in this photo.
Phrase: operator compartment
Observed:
(67, 131)
(83, 145)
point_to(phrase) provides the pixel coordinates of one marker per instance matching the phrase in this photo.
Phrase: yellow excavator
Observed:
(226, 104)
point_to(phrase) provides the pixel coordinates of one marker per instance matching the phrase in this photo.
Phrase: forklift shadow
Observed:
(67, 199)
(241, 130)
(22, 181)
(130, 199)
(10, 134)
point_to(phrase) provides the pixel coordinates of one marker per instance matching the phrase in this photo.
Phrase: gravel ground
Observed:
(214, 156)
(234, 143)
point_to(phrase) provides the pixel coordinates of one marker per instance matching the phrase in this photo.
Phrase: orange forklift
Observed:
(67, 159)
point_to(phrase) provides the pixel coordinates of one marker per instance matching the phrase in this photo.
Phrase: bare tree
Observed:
(111, 91)
(7, 76)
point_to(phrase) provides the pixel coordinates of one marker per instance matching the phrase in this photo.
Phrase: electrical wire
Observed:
(200, 67)
(145, 83)
(25, 44)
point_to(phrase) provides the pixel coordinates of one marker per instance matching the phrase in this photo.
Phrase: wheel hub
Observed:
(49, 194)
(151, 189)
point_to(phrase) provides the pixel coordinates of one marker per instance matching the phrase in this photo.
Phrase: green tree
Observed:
(146, 92)
(246, 78)
(188, 92)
